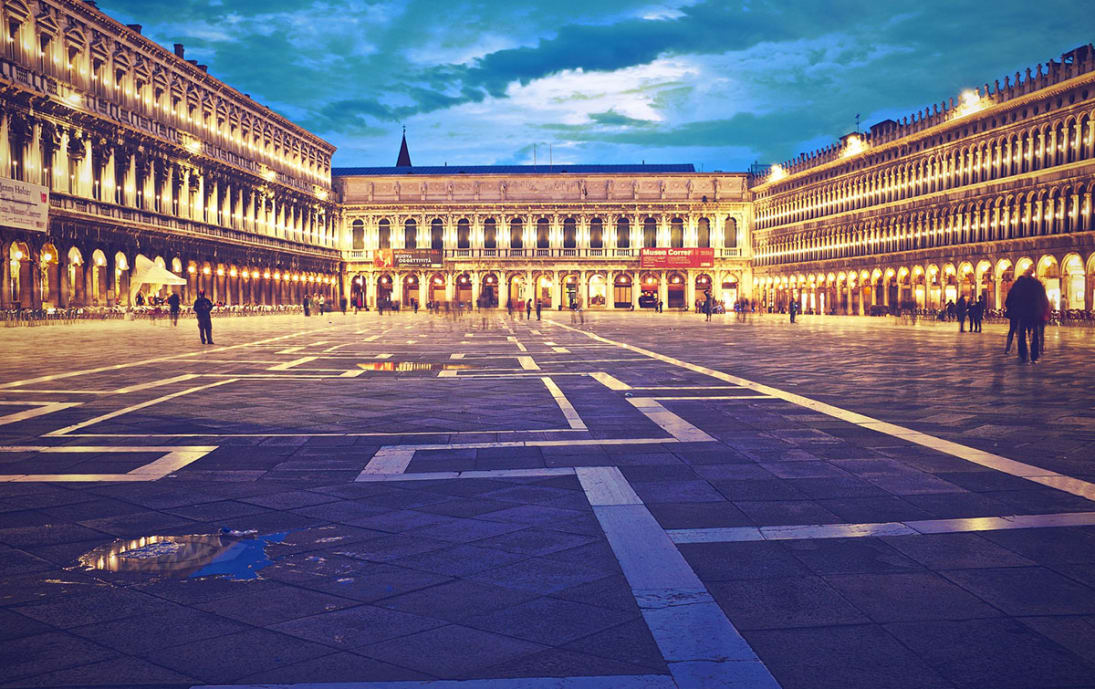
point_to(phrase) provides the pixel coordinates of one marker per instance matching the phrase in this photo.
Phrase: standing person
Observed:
(708, 304)
(342, 304)
(173, 303)
(528, 309)
(578, 308)
(322, 304)
(202, 309)
(960, 310)
(1023, 303)
(538, 307)
(792, 307)
(659, 306)
(949, 311)
(977, 314)
(307, 304)
(139, 301)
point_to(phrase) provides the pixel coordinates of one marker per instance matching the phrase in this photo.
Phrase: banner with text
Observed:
(676, 258)
(408, 258)
(23, 205)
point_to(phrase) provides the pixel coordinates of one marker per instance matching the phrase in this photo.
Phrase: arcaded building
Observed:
(604, 236)
(958, 199)
(117, 149)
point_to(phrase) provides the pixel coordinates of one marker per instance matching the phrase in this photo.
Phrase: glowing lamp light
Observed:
(383, 280)
(255, 274)
(191, 269)
(852, 146)
(277, 276)
(206, 271)
(47, 257)
(357, 280)
(969, 102)
(74, 99)
(776, 173)
(437, 281)
(18, 255)
(232, 272)
(266, 274)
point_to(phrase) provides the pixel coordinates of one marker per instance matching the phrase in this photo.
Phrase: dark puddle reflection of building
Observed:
(234, 555)
(411, 366)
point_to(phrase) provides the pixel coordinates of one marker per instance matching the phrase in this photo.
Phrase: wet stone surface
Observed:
(198, 518)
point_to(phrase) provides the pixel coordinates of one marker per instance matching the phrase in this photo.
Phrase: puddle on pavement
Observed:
(411, 366)
(234, 555)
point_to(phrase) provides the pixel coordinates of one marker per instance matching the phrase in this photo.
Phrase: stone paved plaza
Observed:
(639, 501)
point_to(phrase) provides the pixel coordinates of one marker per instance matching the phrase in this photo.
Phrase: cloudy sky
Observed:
(717, 83)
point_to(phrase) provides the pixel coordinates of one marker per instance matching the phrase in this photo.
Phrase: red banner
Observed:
(676, 258)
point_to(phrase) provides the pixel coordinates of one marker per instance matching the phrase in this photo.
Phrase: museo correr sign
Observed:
(676, 258)
(23, 205)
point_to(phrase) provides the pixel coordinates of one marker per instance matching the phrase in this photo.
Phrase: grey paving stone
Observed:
(461, 560)
(909, 597)
(91, 606)
(548, 621)
(357, 626)
(42, 653)
(992, 652)
(115, 672)
(749, 560)
(141, 635)
(452, 651)
(541, 575)
(336, 667)
(229, 658)
(783, 602)
(267, 607)
(842, 657)
(457, 600)
(956, 551)
(1026, 590)
(851, 556)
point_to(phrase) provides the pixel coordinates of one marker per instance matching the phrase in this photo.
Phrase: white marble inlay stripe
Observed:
(155, 383)
(1067, 484)
(565, 406)
(606, 486)
(290, 364)
(609, 381)
(456, 355)
(351, 373)
(870, 530)
(39, 409)
(175, 458)
(560, 350)
(527, 363)
(718, 397)
(290, 350)
(673, 424)
(135, 407)
(388, 460)
(383, 356)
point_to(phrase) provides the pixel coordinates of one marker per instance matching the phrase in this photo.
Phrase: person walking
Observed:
(342, 303)
(538, 307)
(960, 311)
(202, 309)
(307, 304)
(173, 305)
(528, 309)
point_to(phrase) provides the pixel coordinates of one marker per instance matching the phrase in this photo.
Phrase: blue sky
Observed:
(716, 83)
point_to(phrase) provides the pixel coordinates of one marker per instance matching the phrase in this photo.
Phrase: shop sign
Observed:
(677, 258)
(23, 205)
(412, 258)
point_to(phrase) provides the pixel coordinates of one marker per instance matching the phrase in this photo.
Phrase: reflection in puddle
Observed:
(400, 366)
(237, 555)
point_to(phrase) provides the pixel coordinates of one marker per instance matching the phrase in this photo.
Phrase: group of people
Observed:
(1028, 310)
(967, 309)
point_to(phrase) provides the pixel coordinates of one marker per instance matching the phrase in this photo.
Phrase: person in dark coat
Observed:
(539, 306)
(173, 303)
(1026, 303)
(202, 309)
(960, 311)
(342, 303)
(307, 304)
(708, 304)
(977, 312)
(528, 309)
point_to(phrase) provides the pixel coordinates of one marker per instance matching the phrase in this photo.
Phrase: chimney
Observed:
(134, 27)
(180, 51)
(204, 68)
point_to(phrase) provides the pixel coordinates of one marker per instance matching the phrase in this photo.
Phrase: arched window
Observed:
(542, 233)
(650, 233)
(410, 234)
(490, 234)
(730, 233)
(676, 233)
(384, 232)
(463, 234)
(596, 234)
(570, 233)
(358, 234)
(437, 235)
(703, 233)
(515, 230)
(623, 234)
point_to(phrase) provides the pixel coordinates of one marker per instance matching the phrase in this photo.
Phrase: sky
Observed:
(719, 83)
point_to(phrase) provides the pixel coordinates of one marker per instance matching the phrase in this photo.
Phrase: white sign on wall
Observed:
(23, 205)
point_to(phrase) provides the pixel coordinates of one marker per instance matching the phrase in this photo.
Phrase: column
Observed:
(663, 289)
(689, 290)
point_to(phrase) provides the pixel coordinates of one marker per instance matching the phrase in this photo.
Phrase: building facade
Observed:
(558, 235)
(141, 152)
(955, 201)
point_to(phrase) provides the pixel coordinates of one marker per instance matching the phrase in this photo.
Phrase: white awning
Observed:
(148, 273)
